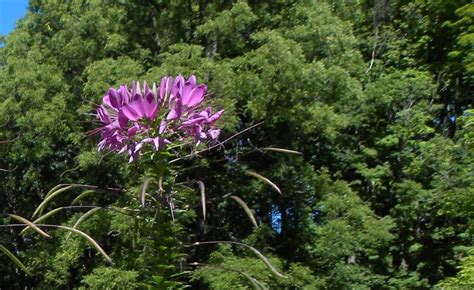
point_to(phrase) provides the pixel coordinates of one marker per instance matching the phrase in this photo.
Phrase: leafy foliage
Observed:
(376, 95)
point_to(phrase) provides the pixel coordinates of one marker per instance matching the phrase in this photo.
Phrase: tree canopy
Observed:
(369, 101)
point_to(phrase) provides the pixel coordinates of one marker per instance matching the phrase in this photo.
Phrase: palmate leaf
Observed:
(14, 259)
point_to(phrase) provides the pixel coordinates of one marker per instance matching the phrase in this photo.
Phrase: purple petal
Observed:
(195, 97)
(123, 149)
(186, 92)
(175, 111)
(172, 115)
(136, 97)
(198, 134)
(205, 113)
(146, 88)
(149, 97)
(165, 87)
(151, 108)
(138, 147)
(194, 121)
(140, 106)
(192, 80)
(124, 94)
(106, 100)
(133, 131)
(122, 119)
(115, 99)
(130, 112)
(103, 115)
(101, 145)
(179, 82)
(160, 143)
(136, 88)
(156, 142)
(216, 116)
(162, 127)
(175, 93)
(154, 90)
(214, 133)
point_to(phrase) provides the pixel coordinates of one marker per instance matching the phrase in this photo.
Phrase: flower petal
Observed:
(130, 112)
(195, 97)
(172, 115)
(175, 111)
(133, 131)
(122, 119)
(146, 88)
(192, 80)
(103, 115)
(179, 82)
(156, 142)
(106, 100)
(124, 94)
(194, 121)
(151, 108)
(154, 90)
(162, 127)
(136, 88)
(214, 133)
(139, 105)
(215, 117)
(186, 92)
(149, 97)
(115, 99)
(165, 87)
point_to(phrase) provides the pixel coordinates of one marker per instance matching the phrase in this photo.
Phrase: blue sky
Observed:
(10, 12)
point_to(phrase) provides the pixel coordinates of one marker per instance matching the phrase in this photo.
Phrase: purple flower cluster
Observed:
(155, 116)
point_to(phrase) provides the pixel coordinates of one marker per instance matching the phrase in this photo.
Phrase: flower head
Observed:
(135, 118)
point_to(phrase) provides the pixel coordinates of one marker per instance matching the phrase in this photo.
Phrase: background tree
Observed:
(376, 95)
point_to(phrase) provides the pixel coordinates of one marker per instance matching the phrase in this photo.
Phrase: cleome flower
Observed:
(144, 117)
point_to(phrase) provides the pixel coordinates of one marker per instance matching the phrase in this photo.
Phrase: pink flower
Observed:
(154, 118)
